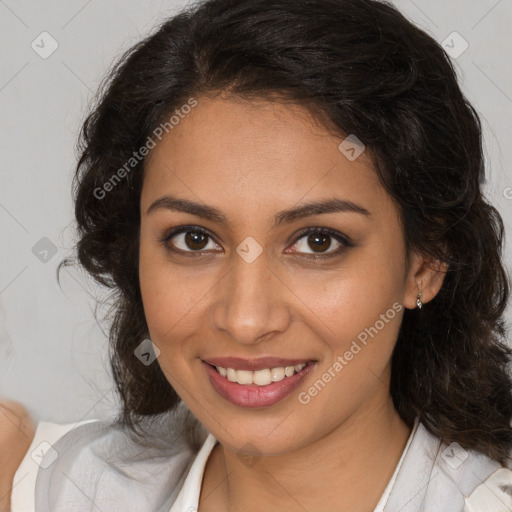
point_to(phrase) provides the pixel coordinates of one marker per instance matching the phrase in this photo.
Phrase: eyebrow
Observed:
(332, 205)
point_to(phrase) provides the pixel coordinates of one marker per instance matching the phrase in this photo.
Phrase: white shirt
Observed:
(96, 466)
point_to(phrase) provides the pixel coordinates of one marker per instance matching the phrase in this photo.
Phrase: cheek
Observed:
(358, 322)
(360, 302)
(165, 308)
(175, 302)
(169, 305)
(165, 303)
(356, 294)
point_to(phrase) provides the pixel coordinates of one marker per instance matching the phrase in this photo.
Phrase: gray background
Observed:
(52, 351)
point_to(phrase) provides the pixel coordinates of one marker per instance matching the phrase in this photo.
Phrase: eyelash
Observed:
(342, 239)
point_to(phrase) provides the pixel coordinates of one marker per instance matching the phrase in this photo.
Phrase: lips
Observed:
(254, 395)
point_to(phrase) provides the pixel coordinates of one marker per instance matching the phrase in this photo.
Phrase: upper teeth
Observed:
(259, 377)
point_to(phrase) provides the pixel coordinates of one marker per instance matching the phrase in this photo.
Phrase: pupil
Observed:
(319, 241)
(195, 240)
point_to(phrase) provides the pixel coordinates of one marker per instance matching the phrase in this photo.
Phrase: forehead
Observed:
(255, 154)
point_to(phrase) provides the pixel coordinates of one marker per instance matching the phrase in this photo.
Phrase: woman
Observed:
(285, 200)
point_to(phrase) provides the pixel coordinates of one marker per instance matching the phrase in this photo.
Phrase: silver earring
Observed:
(418, 301)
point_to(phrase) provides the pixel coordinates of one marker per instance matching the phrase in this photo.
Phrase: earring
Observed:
(418, 301)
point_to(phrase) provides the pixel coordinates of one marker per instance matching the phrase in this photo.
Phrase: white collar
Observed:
(188, 498)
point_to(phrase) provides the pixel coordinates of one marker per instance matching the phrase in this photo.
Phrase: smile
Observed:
(256, 383)
(259, 377)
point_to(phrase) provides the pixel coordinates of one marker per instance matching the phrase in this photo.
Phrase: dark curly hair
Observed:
(368, 71)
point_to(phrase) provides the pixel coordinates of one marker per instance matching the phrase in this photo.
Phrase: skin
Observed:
(17, 431)
(250, 160)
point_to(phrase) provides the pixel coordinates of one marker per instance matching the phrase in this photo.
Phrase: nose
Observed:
(250, 304)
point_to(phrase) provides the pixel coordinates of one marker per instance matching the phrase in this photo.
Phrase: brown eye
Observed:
(188, 239)
(195, 240)
(319, 242)
(315, 242)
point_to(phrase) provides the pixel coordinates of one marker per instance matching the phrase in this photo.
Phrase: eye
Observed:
(193, 241)
(188, 240)
(319, 240)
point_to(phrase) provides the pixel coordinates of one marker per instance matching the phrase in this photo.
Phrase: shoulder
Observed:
(100, 463)
(483, 483)
(440, 476)
(471, 479)
(39, 455)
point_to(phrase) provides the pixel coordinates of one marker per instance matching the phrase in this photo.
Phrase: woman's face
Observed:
(239, 287)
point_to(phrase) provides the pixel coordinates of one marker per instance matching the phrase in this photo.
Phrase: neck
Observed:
(348, 469)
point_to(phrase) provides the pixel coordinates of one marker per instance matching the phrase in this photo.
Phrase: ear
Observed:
(426, 276)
